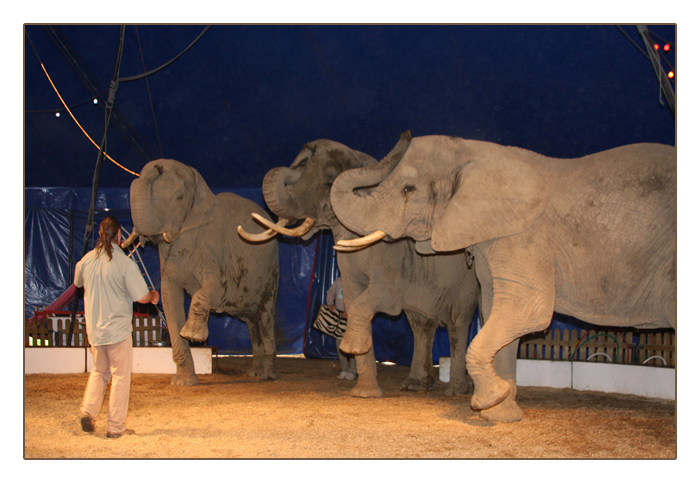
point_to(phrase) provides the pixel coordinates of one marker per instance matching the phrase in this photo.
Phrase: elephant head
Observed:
(302, 191)
(445, 193)
(168, 198)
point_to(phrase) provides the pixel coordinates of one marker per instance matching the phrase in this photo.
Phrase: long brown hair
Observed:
(109, 229)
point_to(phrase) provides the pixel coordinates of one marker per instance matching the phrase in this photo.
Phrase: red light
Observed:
(656, 46)
(671, 75)
(667, 48)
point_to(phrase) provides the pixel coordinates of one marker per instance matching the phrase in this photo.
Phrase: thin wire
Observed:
(633, 42)
(68, 110)
(91, 100)
(148, 88)
(81, 127)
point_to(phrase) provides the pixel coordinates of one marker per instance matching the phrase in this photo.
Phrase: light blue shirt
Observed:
(111, 287)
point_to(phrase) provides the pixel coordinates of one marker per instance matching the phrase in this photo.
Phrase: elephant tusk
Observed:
(130, 239)
(264, 236)
(364, 241)
(298, 231)
(347, 249)
(167, 236)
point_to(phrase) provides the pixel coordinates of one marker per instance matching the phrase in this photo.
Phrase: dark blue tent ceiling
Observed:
(245, 98)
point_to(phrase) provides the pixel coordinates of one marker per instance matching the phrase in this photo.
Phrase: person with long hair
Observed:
(112, 283)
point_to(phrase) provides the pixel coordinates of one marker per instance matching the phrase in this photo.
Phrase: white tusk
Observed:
(264, 236)
(347, 249)
(298, 231)
(365, 240)
(167, 236)
(130, 240)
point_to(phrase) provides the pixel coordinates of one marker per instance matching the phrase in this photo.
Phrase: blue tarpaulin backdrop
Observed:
(55, 220)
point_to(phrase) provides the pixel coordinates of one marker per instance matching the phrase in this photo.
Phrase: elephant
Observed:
(387, 277)
(201, 254)
(591, 237)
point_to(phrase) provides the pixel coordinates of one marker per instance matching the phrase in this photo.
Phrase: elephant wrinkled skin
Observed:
(386, 277)
(201, 254)
(593, 237)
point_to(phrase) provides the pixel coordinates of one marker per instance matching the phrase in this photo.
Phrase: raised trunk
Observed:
(276, 193)
(353, 198)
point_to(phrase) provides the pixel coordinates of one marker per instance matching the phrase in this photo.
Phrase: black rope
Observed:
(633, 42)
(89, 227)
(664, 85)
(151, 72)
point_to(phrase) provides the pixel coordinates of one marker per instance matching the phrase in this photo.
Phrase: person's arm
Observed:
(151, 297)
(330, 296)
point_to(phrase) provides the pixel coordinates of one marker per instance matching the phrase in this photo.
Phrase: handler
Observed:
(112, 282)
(335, 301)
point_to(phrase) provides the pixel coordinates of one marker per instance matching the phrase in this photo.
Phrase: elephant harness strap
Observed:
(169, 238)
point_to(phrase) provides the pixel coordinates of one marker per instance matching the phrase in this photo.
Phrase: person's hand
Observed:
(332, 307)
(155, 297)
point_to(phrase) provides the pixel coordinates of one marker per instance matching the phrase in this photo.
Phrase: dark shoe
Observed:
(87, 423)
(119, 435)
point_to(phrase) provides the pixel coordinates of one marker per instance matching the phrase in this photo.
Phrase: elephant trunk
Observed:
(277, 194)
(354, 206)
(142, 208)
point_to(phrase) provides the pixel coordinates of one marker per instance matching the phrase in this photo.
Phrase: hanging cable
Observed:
(90, 225)
(151, 72)
(113, 85)
(664, 85)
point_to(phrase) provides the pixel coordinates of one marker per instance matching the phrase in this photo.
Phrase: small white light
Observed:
(58, 114)
(94, 101)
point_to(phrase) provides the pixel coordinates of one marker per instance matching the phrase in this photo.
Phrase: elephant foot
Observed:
(366, 391)
(506, 412)
(184, 377)
(267, 371)
(356, 342)
(194, 331)
(458, 388)
(488, 395)
(417, 384)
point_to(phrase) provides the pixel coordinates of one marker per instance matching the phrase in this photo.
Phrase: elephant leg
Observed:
(459, 338)
(197, 326)
(367, 385)
(522, 278)
(173, 299)
(421, 377)
(261, 328)
(508, 410)
(357, 339)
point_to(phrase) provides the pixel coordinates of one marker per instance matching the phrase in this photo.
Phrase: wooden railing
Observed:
(53, 331)
(651, 348)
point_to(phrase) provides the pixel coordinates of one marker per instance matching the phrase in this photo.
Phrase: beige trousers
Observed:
(113, 361)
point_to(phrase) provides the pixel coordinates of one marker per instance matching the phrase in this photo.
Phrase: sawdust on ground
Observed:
(308, 413)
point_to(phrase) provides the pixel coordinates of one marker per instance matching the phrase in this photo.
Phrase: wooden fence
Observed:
(651, 348)
(52, 331)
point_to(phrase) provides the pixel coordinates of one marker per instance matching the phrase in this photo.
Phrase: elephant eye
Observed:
(409, 188)
(179, 197)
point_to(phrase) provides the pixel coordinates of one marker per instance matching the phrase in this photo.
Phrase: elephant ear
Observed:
(492, 197)
(203, 198)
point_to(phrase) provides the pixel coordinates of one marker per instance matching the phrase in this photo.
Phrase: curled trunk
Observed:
(352, 196)
(276, 194)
